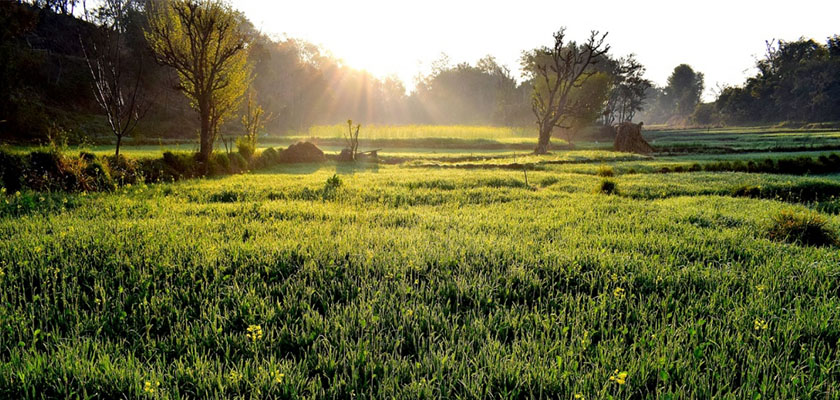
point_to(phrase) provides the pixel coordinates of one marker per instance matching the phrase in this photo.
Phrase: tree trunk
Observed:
(206, 138)
(117, 152)
(544, 140)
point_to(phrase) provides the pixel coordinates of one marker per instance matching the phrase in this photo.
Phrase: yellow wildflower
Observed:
(150, 388)
(760, 324)
(618, 293)
(619, 377)
(234, 376)
(278, 377)
(254, 333)
(579, 396)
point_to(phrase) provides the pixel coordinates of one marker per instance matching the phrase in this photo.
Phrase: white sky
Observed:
(722, 39)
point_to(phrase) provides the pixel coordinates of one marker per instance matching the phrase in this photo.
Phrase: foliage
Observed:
(203, 40)
(607, 186)
(605, 171)
(807, 228)
(628, 89)
(556, 72)
(797, 80)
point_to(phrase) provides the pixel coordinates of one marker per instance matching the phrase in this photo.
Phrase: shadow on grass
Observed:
(350, 168)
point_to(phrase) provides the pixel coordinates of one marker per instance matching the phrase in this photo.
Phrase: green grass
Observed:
(417, 282)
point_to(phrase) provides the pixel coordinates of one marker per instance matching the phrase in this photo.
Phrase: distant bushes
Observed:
(51, 170)
(807, 228)
(792, 166)
(803, 192)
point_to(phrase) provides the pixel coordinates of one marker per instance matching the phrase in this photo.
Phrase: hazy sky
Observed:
(719, 38)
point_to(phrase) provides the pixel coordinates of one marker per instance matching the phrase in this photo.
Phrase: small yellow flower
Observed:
(17, 193)
(760, 288)
(41, 199)
(254, 333)
(618, 293)
(579, 396)
(150, 388)
(619, 377)
(760, 324)
(278, 377)
(234, 376)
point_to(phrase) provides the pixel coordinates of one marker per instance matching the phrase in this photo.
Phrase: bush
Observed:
(156, 170)
(11, 171)
(98, 177)
(44, 171)
(183, 165)
(607, 186)
(331, 187)
(124, 170)
(237, 163)
(245, 147)
(219, 164)
(808, 228)
(268, 157)
(605, 171)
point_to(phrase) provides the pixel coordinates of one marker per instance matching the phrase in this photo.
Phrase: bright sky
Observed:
(722, 39)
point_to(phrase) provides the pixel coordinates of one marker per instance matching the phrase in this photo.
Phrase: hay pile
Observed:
(628, 139)
(302, 152)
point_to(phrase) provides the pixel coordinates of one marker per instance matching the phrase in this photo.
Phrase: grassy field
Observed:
(417, 282)
(447, 276)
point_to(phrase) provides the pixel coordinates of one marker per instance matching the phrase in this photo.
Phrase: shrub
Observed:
(246, 147)
(44, 172)
(124, 170)
(237, 163)
(607, 186)
(219, 164)
(87, 156)
(11, 171)
(605, 171)
(98, 177)
(331, 187)
(808, 228)
(268, 157)
(183, 165)
(156, 170)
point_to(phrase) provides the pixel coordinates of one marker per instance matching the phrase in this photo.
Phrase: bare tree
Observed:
(556, 71)
(352, 139)
(116, 79)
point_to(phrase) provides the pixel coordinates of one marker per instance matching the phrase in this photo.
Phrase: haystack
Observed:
(628, 139)
(302, 152)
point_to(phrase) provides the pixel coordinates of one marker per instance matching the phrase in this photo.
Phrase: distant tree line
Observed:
(53, 80)
(796, 81)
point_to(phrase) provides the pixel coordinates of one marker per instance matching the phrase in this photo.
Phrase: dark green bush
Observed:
(237, 163)
(124, 170)
(183, 165)
(219, 164)
(607, 186)
(98, 177)
(11, 171)
(807, 228)
(87, 156)
(245, 147)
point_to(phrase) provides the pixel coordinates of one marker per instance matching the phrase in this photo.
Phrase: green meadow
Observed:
(429, 278)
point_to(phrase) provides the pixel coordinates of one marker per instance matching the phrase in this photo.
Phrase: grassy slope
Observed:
(411, 282)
